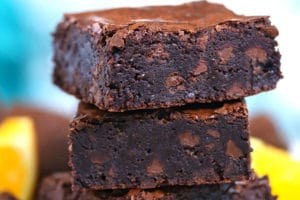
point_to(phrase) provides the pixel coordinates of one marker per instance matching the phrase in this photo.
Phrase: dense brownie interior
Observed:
(192, 145)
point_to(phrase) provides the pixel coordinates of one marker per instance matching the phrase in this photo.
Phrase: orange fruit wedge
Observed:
(18, 157)
(282, 169)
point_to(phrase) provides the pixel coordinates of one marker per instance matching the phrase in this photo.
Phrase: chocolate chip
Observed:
(173, 80)
(155, 167)
(188, 139)
(174, 83)
(233, 150)
(225, 55)
(214, 133)
(200, 68)
(257, 54)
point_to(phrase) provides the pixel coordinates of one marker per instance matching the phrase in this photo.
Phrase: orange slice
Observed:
(283, 171)
(18, 157)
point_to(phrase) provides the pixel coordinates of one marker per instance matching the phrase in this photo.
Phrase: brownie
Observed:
(158, 57)
(191, 145)
(264, 127)
(58, 187)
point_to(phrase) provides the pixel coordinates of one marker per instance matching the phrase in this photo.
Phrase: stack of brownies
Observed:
(162, 113)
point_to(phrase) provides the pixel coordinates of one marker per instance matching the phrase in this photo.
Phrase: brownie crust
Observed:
(159, 57)
(192, 145)
(58, 187)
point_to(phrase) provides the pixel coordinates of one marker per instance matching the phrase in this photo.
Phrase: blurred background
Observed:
(26, 56)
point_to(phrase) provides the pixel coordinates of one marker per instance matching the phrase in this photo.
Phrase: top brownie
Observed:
(158, 57)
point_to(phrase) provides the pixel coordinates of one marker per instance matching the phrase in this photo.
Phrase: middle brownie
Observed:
(191, 145)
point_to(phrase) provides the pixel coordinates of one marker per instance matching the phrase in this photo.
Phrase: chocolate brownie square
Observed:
(191, 145)
(159, 57)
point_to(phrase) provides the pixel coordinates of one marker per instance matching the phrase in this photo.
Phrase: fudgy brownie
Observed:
(58, 187)
(191, 145)
(155, 57)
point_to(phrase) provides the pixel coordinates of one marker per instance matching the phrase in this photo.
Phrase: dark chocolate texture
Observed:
(158, 57)
(58, 187)
(191, 145)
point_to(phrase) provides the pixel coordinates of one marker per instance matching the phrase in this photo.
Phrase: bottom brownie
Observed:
(58, 187)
